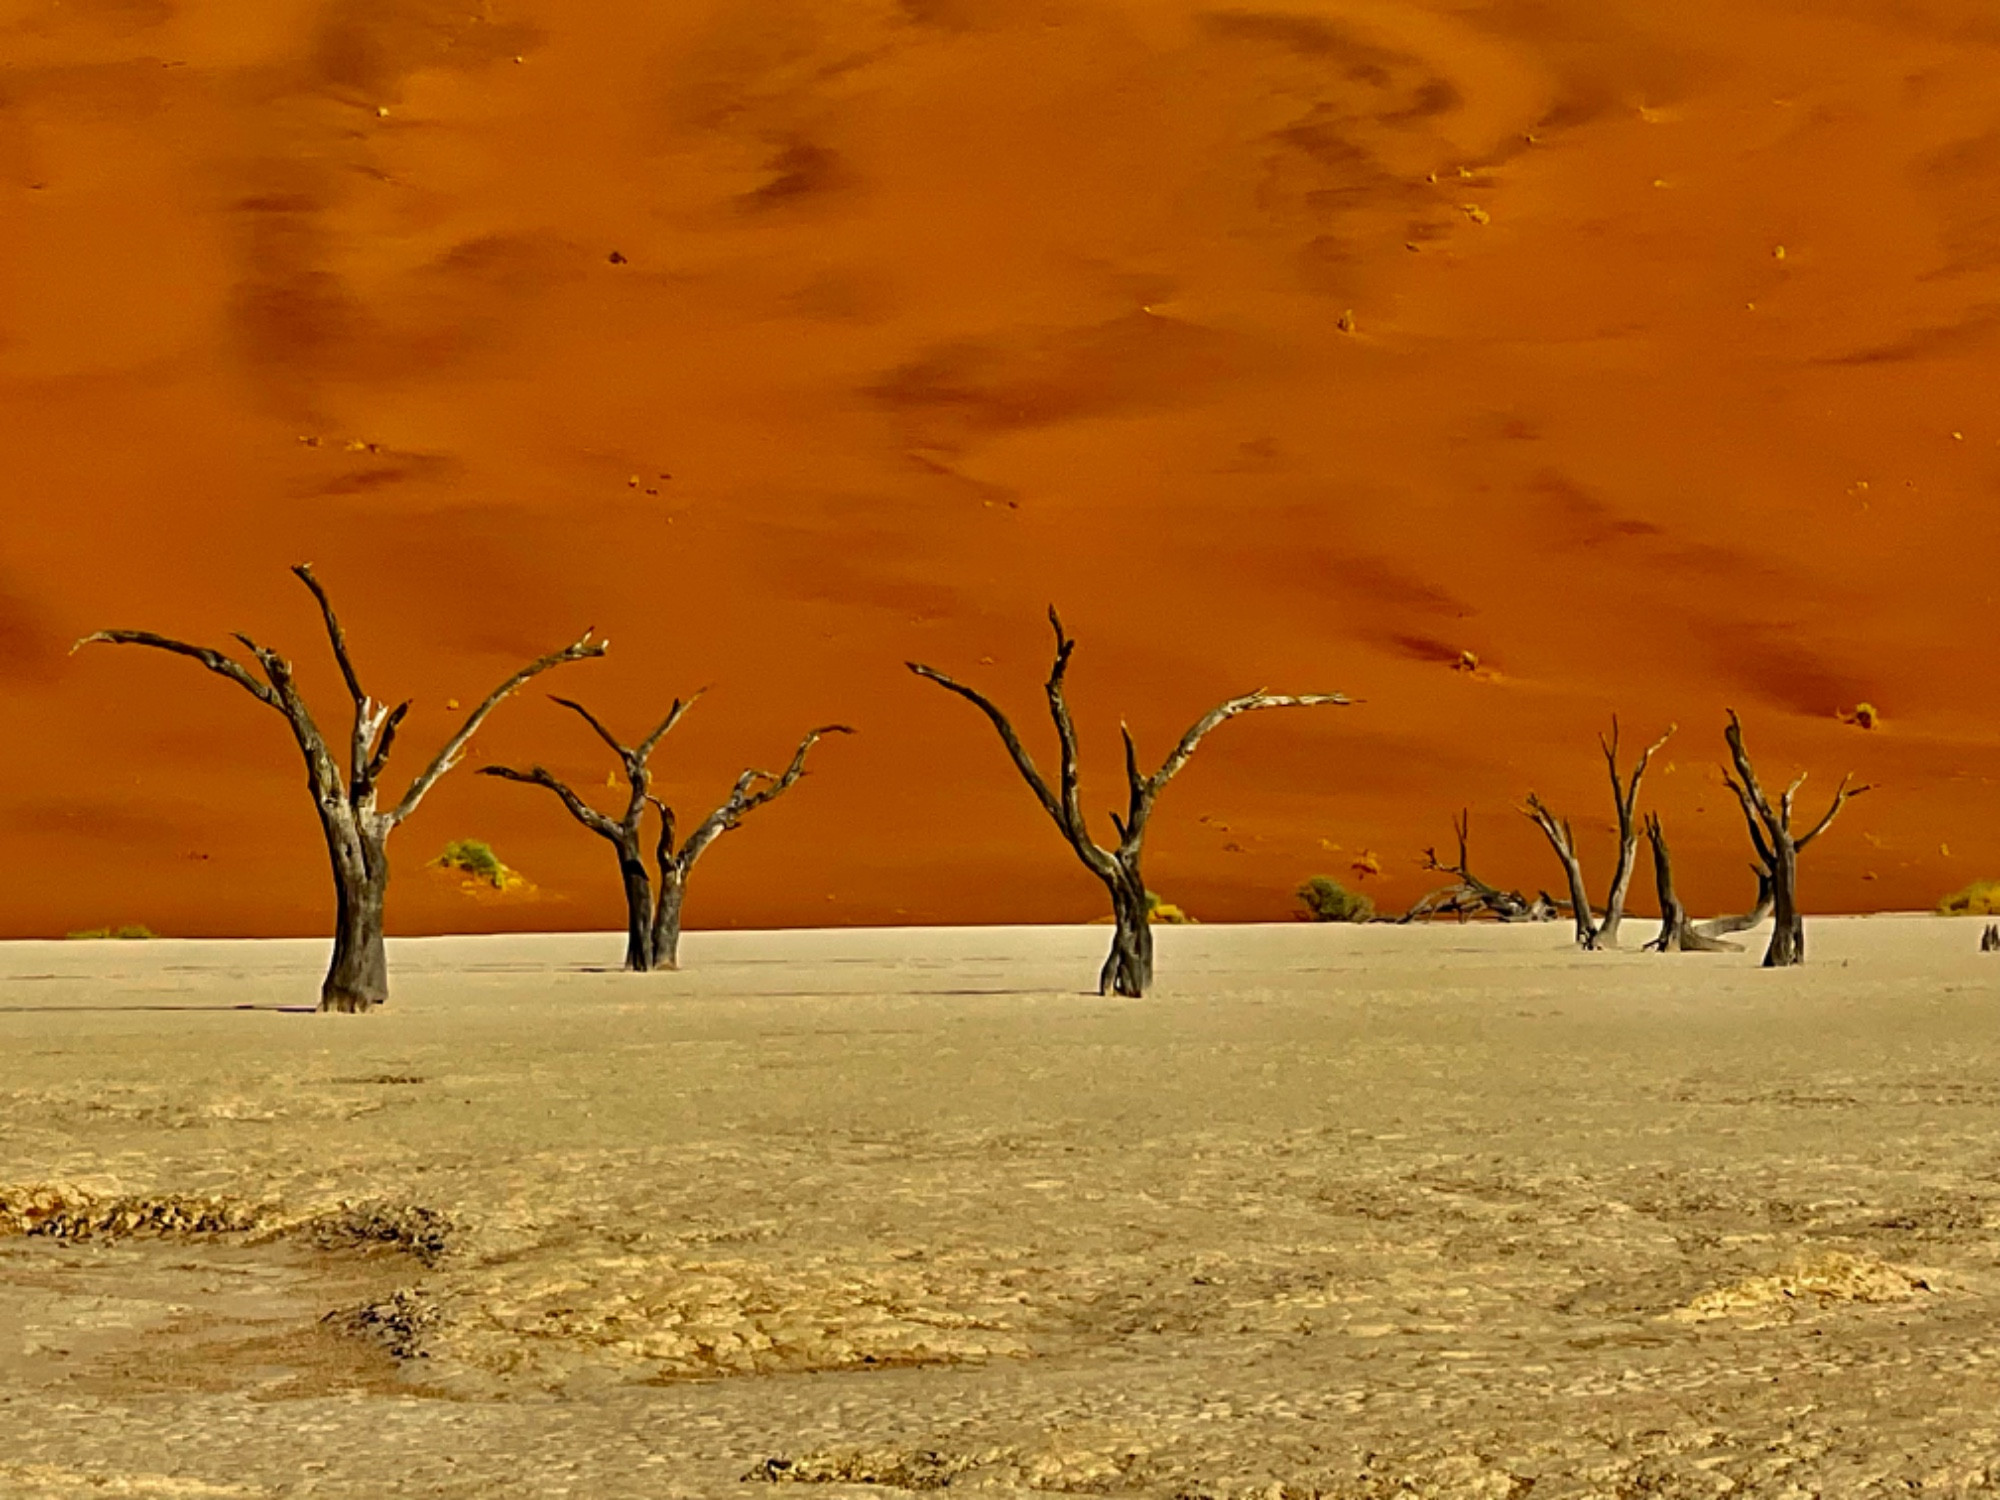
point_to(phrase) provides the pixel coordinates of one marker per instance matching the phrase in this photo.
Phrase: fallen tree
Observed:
(1470, 896)
(1128, 970)
(653, 917)
(356, 828)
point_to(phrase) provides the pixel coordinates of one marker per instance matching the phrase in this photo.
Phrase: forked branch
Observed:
(580, 649)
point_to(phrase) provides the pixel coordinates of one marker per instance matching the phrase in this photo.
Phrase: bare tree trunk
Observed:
(1677, 934)
(1788, 927)
(358, 977)
(1128, 968)
(667, 921)
(1563, 841)
(638, 911)
(1621, 885)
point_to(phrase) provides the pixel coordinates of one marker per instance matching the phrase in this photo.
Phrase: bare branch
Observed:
(1750, 819)
(382, 733)
(1248, 703)
(743, 801)
(595, 723)
(664, 852)
(646, 746)
(582, 811)
(334, 633)
(582, 648)
(1023, 762)
(215, 661)
(1070, 769)
(1143, 795)
(1840, 799)
(1750, 792)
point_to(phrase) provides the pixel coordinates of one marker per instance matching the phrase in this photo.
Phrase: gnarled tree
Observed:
(1590, 932)
(653, 918)
(1776, 845)
(356, 827)
(1128, 970)
(1472, 896)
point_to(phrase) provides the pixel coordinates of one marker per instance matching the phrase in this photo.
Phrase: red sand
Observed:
(939, 311)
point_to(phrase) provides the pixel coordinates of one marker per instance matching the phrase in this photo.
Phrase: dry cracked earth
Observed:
(1336, 1213)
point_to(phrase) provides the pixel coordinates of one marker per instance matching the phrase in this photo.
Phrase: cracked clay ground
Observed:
(1337, 1212)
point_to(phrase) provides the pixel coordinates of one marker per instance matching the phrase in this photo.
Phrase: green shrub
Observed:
(131, 932)
(476, 859)
(1980, 899)
(1327, 900)
(1159, 910)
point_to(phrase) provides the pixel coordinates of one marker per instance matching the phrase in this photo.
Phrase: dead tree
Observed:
(1989, 938)
(1472, 896)
(1677, 933)
(1128, 970)
(1777, 847)
(623, 832)
(357, 829)
(653, 917)
(1591, 933)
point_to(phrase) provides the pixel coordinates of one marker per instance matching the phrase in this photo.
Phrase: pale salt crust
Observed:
(1337, 1211)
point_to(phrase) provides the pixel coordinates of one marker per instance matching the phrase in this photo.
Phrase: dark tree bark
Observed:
(1128, 969)
(1472, 896)
(1677, 934)
(1777, 847)
(1989, 938)
(1591, 933)
(653, 920)
(355, 826)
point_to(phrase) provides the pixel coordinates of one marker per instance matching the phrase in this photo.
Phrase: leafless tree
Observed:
(1677, 933)
(1776, 845)
(357, 829)
(1128, 970)
(1471, 896)
(653, 918)
(1591, 933)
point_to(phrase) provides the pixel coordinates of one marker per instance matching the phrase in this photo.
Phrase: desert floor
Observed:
(1338, 1211)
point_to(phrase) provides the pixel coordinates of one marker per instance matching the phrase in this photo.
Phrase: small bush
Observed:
(132, 932)
(476, 859)
(1980, 899)
(1327, 900)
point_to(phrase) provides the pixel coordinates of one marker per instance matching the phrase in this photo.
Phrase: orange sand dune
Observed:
(1666, 388)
